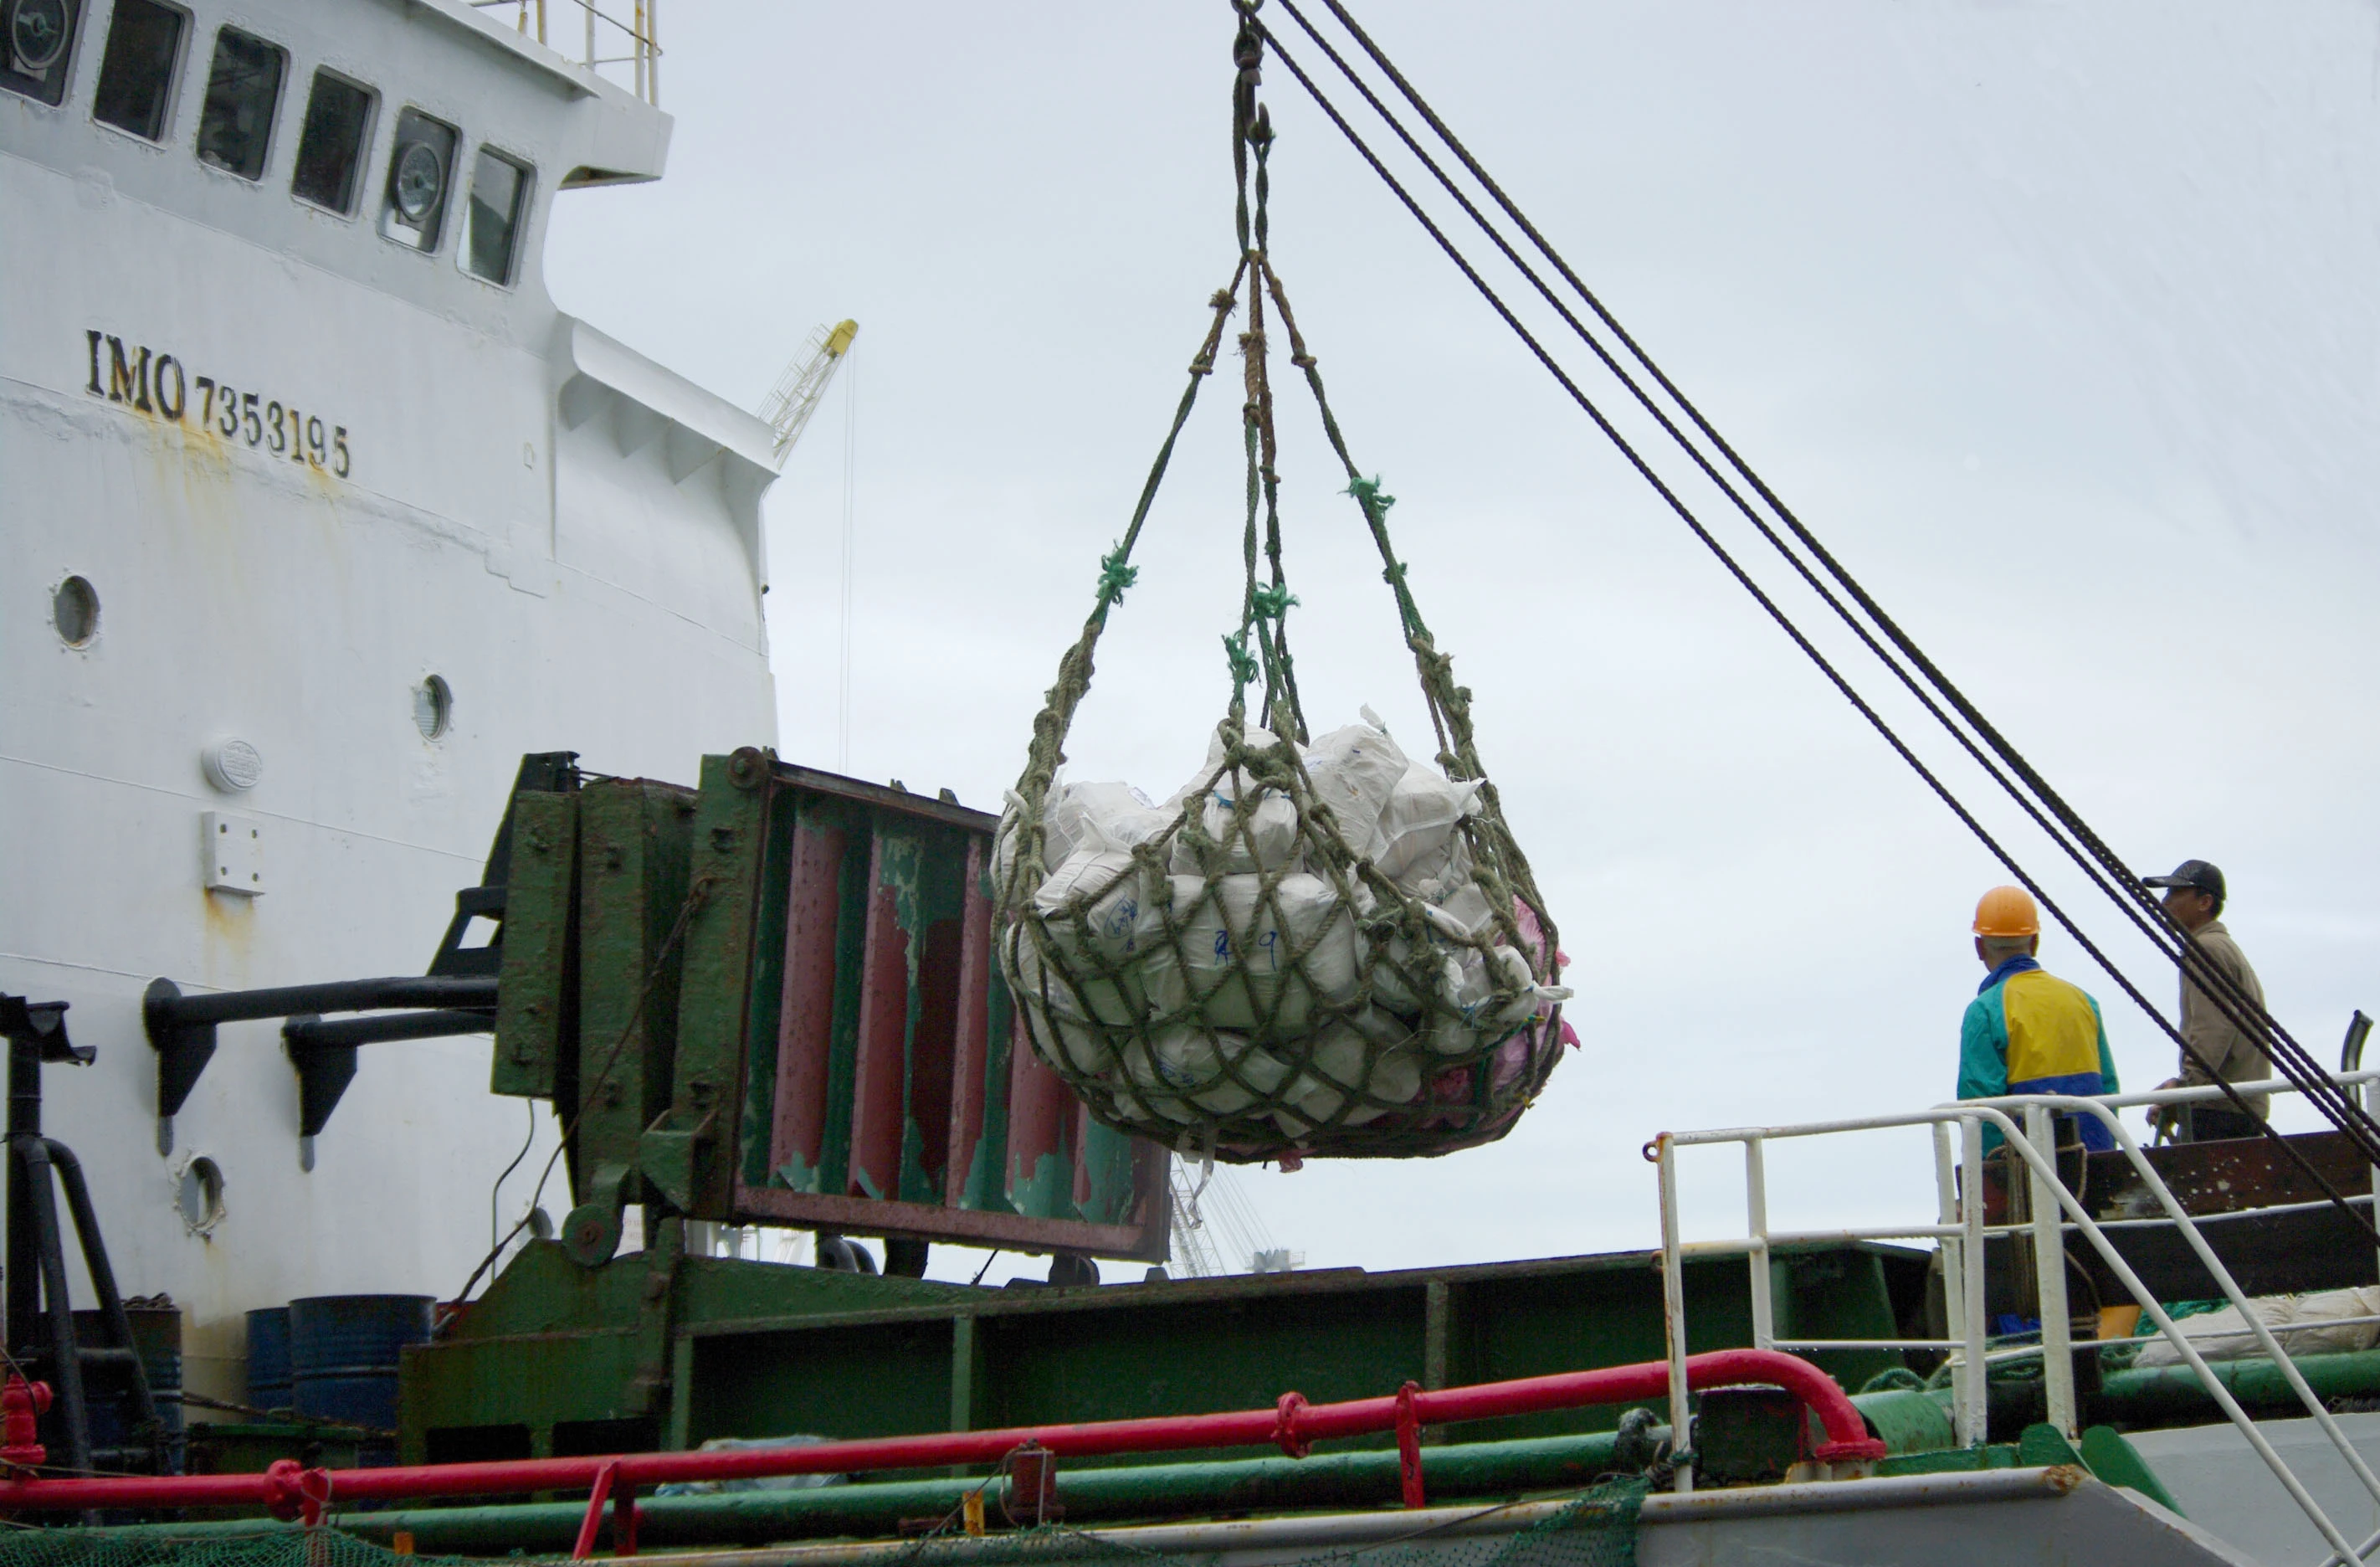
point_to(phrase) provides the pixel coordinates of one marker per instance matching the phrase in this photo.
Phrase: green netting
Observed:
(1599, 1530)
(77, 1547)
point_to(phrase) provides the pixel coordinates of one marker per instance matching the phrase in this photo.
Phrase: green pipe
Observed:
(2172, 1393)
(1908, 1421)
(1267, 1485)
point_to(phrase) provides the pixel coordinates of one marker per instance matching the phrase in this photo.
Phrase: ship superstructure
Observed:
(316, 514)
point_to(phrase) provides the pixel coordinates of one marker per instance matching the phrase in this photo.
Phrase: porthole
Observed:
(433, 706)
(199, 1194)
(421, 180)
(38, 30)
(36, 40)
(74, 610)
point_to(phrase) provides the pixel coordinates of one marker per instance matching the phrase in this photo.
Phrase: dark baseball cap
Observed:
(2194, 873)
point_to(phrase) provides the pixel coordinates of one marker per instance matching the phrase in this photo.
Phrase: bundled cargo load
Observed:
(1314, 946)
(1218, 967)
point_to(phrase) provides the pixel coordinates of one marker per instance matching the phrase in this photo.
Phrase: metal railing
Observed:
(630, 29)
(1959, 1232)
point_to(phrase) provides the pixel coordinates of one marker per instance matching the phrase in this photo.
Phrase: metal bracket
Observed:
(43, 1023)
(324, 1051)
(183, 1049)
(181, 1028)
(457, 996)
(542, 772)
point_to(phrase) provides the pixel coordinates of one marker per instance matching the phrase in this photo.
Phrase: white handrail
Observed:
(1962, 1246)
(641, 29)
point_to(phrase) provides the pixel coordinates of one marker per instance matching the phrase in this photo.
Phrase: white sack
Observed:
(1232, 783)
(1118, 1002)
(1122, 918)
(1104, 816)
(1238, 953)
(1065, 1043)
(1354, 772)
(1417, 824)
(2299, 1322)
(1269, 839)
(1336, 1068)
(1194, 1065)
(1059, 829)
(1395, 987)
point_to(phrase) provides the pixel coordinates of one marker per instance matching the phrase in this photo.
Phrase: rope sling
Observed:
(1243, 981)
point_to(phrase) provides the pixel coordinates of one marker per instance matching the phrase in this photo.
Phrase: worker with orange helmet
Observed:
(2026, 1031)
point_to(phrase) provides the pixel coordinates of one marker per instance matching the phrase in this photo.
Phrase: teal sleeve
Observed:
(1982, 1055)
(2106, 1060)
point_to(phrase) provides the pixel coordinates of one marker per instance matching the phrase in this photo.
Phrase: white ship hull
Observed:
(563, 533)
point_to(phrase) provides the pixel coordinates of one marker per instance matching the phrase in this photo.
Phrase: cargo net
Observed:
(1315, 947)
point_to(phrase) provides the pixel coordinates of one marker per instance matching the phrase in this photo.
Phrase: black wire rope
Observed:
(1784, 622)
(2091, 855)
(2098, 862)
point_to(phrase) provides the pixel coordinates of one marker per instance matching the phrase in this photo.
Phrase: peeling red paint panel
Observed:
(902, 1097)
(806, 1026)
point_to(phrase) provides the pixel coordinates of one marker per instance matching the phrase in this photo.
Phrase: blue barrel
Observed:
(343, 1355)
(268, 1357)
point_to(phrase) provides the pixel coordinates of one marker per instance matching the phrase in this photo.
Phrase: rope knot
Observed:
(1244, 663)
(1272, 603)
(1367, 495)
(1116, 576)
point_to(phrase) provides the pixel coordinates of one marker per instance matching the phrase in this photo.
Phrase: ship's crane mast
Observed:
(796, 394)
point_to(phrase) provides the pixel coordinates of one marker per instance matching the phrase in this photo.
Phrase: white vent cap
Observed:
(233, 765)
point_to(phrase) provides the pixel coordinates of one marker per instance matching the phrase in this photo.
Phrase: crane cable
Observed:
(2098, 863)
(2237, 1007)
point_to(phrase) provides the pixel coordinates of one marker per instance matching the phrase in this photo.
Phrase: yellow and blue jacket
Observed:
(2028, 1032)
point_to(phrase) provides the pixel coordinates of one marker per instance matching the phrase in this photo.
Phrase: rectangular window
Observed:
(243, 91)
(330, 148)
(136, 73)
(37, 51)
(414, 211)
(499, 200)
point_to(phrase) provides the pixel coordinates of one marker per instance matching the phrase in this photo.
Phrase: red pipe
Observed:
(1293, 1424)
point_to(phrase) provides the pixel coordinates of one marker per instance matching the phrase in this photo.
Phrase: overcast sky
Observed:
(2056, 323)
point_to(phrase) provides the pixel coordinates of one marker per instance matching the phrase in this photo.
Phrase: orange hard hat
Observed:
(2006, 911)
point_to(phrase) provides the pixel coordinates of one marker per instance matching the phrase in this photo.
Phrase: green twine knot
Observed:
(1272, 603)
(1367, 495)
(1116, 576)
(1244, 663)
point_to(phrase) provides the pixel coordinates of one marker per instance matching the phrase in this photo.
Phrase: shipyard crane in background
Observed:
(795, 398)
(788, 408)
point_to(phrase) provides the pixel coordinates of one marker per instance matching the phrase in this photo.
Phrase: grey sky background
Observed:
(2056, 322)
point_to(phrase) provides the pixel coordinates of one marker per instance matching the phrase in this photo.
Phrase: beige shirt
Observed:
(2237, 1055)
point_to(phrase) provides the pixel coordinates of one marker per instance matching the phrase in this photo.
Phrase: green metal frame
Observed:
(692, 1348)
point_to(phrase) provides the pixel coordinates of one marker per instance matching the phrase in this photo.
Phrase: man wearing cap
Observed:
(2027, 1032)
(2193, 900)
